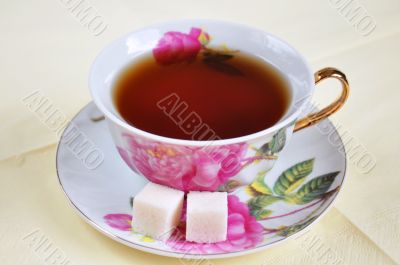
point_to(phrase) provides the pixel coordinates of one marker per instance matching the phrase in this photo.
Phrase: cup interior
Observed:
(273, 50)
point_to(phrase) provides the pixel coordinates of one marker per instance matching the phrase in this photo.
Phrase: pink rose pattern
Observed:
(176, 47)
(181, 167)
(119, 221)
(244, 231)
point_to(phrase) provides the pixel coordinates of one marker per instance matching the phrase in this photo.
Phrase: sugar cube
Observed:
(206, 217)
(157, 211)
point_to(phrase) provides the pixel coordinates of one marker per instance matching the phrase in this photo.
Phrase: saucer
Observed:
(307, 178)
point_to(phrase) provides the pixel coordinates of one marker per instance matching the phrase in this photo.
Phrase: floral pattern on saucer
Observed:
(290, 197)
(249, 211)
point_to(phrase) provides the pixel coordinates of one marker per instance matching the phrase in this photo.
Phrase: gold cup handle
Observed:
(313, 118)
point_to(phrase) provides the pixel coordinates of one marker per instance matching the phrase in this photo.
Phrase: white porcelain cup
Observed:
(207, 164)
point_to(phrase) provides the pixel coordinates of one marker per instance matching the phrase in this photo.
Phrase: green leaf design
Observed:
(278, 141)
(258, 187)
(262, 201)
(218, 61)
(293, 177)
(264, 149)
(216, 56)
(229, 186)
(257, 205)
(261, 213)
(293, 229)
(250, 191)
(223, 67)
(315, 188)
(275, 145)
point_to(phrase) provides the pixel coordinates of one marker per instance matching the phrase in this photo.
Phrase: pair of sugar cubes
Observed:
(157, 211)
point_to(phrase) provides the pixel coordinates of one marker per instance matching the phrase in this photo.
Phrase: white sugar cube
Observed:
(206, 217)
(157, 211)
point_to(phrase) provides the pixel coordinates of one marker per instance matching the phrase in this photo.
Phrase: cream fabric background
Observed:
(44, 47)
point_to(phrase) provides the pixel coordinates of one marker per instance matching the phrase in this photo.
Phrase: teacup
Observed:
(209, 165)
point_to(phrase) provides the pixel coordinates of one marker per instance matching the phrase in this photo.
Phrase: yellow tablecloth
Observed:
(45, 47)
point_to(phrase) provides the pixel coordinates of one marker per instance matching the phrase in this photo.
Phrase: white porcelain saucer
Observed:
(307, 178)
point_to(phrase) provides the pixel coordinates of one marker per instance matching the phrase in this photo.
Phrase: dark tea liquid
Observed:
(230, 97)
